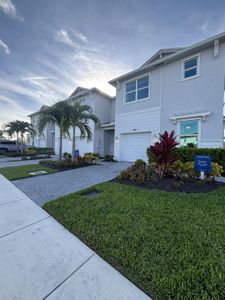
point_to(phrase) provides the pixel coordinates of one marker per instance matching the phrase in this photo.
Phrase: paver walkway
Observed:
(48, 187)
(40, 259)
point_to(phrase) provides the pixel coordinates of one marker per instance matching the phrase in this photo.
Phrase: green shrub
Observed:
(136, 173)
(152, 174)
(108, 157)
(188, 154)
(42, 150)
(30, 152)
(65, 163)
(67, 157)
(179, 169)
(217, 170)
(89, 156)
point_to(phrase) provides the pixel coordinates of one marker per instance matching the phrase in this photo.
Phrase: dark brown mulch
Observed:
(173, 185)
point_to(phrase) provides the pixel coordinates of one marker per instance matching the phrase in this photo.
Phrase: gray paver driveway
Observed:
(48, 187)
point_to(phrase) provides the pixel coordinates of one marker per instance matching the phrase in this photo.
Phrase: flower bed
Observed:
(167, 173)
(174, 180)
(67, 163)
(174, 185)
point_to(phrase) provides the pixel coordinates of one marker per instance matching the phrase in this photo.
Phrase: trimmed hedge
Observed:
(188, 154)
(42, 150)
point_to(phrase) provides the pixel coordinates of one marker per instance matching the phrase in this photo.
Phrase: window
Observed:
(137, 89)
(191, 67)
(189, 132)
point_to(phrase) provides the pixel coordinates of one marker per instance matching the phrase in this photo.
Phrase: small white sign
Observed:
(38, 173)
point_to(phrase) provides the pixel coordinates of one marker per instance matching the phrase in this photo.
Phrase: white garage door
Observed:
(134, 145)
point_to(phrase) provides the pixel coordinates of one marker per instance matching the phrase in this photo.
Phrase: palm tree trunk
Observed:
(73, 140)
(17, 142)
(60, 144)
(21, 143)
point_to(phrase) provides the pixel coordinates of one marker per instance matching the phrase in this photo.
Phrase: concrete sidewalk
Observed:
(40, 259)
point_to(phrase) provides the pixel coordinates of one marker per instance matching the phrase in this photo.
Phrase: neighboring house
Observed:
(47, 139)
(102, 142)
(179, 89)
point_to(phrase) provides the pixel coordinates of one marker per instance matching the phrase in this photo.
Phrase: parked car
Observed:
(9, 146)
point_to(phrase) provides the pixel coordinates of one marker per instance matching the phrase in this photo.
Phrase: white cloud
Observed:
(80, 36)
(72, 38)
(35, 78)
(4, 47)
(9, 8)
(83, 68)
(64, 37)
(204, 25)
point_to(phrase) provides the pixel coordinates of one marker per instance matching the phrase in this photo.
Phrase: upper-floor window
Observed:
(137, 89)
(189, 132)
(191, 67)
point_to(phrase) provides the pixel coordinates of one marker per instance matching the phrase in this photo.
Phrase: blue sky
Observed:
(49, 47)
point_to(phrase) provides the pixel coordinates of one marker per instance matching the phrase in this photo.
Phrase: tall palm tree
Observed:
(2, 134)
(80, 115)
(12, 128)
(25, 127)
(57, 114)
(19, 128)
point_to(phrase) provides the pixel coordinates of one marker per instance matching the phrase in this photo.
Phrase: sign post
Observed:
(203, 164)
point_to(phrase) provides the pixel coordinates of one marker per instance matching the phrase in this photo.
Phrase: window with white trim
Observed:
(191, 67)
(189, 131)
(137, 89)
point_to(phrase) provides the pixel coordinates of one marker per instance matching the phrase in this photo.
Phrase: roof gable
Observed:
(161, 54)
(78, 90)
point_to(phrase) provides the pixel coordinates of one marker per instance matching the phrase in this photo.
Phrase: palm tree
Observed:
(25, 127)
(80, 114)
(57, 114)
(2, 134)
(12, 128)
(19, 128)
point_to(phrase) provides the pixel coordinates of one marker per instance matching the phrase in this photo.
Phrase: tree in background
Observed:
(19, 128)
(2, 135)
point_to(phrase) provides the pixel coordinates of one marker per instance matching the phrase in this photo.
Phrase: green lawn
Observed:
(171, 245)
(13, 173)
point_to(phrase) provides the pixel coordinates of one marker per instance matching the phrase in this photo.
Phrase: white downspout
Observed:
(160, 96)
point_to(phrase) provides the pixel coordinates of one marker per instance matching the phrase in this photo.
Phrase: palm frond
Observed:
(85, 131)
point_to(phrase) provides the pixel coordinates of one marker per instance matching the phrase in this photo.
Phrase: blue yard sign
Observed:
(203, 163)
(76, 153)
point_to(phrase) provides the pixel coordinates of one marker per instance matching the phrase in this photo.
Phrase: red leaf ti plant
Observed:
(164, 151)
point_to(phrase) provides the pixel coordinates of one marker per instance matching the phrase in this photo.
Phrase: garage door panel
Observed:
(134, 145)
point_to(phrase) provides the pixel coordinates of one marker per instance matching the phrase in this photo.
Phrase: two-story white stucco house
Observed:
(102, 142)
(178, 89)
